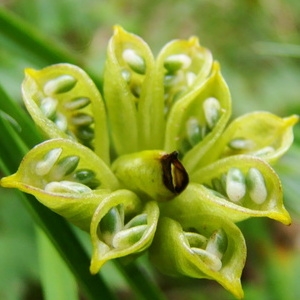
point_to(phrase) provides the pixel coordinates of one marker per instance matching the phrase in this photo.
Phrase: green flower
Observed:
(153, 164)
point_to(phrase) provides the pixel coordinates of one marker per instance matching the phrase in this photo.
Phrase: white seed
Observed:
(135, 61)
(66, 187)
(137, 220)
(82, 119)
(264, 151)
(194, 133)
(241, 144)
(212, 109)
(190, 78)
(211, 260)
(44, 166)
(257, 186)
(235, 185)
(126, 75)
(177, 61)
(217, 243)
(128, 237)
(65, 166)
(58, 85)
(48, 106)
(110, 224)
(77, 103)
(61, 122)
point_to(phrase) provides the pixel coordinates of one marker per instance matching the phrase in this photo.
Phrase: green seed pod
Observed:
(112, 237)
(172, 255)
(266, 189)
(62, 97)
(153, 174)
(211, 116)
(259, 133)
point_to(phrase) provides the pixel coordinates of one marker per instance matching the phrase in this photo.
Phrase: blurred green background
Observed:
(257, 43)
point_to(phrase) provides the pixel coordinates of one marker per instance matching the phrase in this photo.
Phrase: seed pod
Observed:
(154, 174)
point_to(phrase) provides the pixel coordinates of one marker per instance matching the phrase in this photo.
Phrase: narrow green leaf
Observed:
(57, 280)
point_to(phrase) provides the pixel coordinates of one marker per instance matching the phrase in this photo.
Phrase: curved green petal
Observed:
(66, 177)
(258, 133)
(197, 120)
(183, 65)
(122, 225)
(210, 247)
(236, 187)
(128, 75)
(64, 102)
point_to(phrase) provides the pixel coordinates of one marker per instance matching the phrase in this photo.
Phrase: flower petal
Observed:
(66, 177)
(111, 241)
(64, 102)
(184, 64)
(128, 79)
(259, 133)
(176, 250)
(197, 120)
(236, 187)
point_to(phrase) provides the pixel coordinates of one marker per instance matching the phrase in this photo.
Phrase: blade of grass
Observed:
(30, 39)
(57, 281)
(56, 228)
(140, 282)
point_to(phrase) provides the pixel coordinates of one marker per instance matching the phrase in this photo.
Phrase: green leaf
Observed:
(258, 133)
(57, 280)
(197, 120)
(134, 234)
(218, 253)
(64, 102)
(66, 177)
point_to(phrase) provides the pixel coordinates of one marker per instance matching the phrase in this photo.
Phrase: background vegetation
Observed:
(258, 45)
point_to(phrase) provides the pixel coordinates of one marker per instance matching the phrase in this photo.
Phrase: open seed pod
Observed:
(207, 247)
(122, 225)
(66, 177)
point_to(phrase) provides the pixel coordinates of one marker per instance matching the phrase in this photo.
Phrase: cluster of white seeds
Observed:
(116, 233)
(60, 174)
(211, 250)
